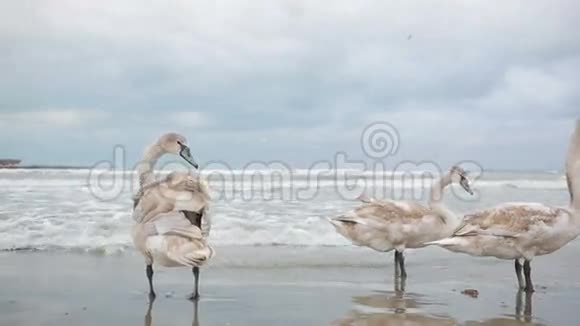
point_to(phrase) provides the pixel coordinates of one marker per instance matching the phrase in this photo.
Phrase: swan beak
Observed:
(185, 153)
(464, 182)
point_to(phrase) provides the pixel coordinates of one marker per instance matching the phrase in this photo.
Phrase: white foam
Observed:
(54, 209)
(525, 184)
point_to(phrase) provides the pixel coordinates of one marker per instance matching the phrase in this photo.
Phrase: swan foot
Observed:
(152, 296)
(194, 296)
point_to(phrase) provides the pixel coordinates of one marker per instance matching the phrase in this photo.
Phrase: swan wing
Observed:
(379, 215)
(185, 243)
(385, 212)
(197, 185)
(143, 190)
(167, 222)
(174, 193)
(510, 220)
(191, 253)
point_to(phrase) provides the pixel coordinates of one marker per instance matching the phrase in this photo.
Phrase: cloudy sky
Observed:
(290, 80)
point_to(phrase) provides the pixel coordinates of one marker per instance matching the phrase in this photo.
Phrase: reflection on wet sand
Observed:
(523, 313)
(527, 309)
(149, 319)
(399, 282)
(400, 308)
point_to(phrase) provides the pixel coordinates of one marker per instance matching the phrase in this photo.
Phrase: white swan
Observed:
(384, 225)
(523, 230)
(168, 214)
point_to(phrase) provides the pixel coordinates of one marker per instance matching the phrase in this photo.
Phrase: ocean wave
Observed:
(524, 184)
(56, 210)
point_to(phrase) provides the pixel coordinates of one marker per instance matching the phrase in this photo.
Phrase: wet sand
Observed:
(304, 286)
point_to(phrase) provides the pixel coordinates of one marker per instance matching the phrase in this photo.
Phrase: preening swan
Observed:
(169, 213)
(384, 225)
(523, 230)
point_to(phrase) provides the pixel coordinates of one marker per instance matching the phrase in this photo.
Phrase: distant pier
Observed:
(9, 163)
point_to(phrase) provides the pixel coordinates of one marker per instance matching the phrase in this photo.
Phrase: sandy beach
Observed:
(350, 286)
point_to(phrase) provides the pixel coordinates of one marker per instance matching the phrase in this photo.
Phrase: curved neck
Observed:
(146, 166)
(436, 200)
(437, 189)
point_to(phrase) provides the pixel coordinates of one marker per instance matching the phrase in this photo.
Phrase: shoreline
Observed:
(240, 287)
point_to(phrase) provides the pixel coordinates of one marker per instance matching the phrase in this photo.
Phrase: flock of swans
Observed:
(172, 223)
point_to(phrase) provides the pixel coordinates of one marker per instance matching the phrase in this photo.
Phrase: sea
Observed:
(90, 211)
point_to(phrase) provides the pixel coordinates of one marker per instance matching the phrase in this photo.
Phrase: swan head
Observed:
(458, 175)
(175, 143)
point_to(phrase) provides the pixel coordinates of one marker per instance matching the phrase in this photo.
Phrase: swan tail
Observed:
(572, 167)
(193, 254)
(192, 233)
(198, 257)
(344, 225)
(445, 242)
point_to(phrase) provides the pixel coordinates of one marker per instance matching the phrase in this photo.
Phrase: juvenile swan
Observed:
(168, 213)
(523, 230)
(384, 225)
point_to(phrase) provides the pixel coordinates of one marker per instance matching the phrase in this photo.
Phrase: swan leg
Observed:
(149, 272)
(401, 260)
(528, 275)
(397, 271)
(195, 295)
(518, 267)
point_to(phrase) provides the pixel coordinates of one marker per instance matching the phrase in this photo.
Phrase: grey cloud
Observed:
(301, 77)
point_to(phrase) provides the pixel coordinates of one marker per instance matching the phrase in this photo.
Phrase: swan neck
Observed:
(146, 166)
(450, 218)
(436, 201)
(436, 196)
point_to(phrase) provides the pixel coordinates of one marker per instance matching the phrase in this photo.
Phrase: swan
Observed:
(168, 213)
(384, 225)
(521, 231)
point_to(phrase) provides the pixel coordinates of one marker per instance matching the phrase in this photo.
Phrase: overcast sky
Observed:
(291, 80)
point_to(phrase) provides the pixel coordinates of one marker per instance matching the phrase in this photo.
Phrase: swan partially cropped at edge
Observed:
(384, 225)
(169, 213)
(521, 231)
